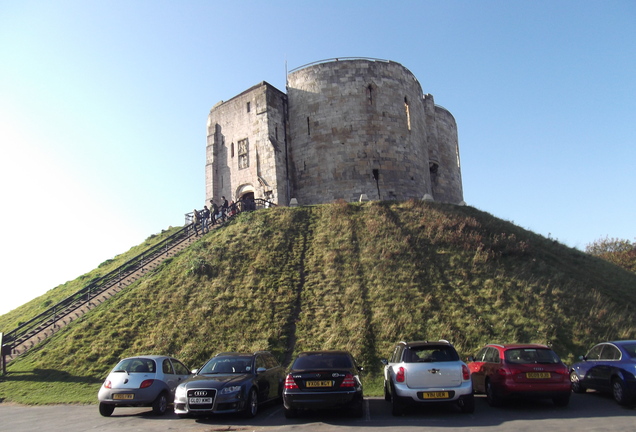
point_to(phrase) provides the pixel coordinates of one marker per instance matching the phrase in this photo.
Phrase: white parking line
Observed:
(276, 411)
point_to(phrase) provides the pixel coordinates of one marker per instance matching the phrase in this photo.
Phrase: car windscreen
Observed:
(430, 353)
(139, 365)
(531, 355)
(322, 361)
(223, 365)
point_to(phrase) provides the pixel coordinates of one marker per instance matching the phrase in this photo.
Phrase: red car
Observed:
(519, 370)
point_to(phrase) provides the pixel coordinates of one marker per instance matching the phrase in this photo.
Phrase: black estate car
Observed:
(321, 380)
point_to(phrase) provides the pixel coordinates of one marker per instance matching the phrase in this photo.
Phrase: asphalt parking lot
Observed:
(587, 412)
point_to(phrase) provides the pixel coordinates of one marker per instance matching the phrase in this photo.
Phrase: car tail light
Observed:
(107, 384)
(146, 383)
(349, 381)
(290, 384)
(399, 376)
(465, 373)
(508, 372)
(563, 372)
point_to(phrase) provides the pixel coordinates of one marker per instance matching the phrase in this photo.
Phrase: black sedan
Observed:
(323, 380)
(231, 382)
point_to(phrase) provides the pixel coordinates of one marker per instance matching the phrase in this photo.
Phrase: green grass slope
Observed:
(342, 276)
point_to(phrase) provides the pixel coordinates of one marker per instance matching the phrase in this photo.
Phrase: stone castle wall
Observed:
(246, 146)
(344, 128)
(447, 182)
(357, 127)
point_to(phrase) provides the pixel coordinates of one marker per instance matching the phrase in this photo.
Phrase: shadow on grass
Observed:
(48, 376)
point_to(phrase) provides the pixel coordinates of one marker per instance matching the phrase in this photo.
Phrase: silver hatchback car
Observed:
(142, 381)
(427, 372)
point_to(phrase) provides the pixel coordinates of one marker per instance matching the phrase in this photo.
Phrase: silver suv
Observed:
(424, 372)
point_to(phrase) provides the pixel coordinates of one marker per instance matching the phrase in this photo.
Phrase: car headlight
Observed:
(230, 389)
(180, 392)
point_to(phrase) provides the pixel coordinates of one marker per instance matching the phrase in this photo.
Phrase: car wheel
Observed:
(106, 410)
(251, 407)
(491, 397)
(290, 413)
(387, 395)
(466, 404)
(561, 401)
(160, 405)
(397, 408)
(575, 382)
(619, 391)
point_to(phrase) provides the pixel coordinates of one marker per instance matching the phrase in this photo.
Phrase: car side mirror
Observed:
(582, 358)
(470, 358)
(360, 368)
(194, 371)
(385, 362)
(260, 370)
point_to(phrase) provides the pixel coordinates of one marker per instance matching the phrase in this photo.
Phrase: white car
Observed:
(142, 381)
(427, 372)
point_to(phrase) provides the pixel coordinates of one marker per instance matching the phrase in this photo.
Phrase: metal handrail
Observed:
(235, 208)
(101, 284)
(98, 285)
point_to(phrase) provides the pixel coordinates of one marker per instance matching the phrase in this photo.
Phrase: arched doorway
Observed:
(245, 195)
(248, 201)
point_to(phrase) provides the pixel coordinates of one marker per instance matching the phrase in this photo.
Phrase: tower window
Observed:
(308, 128)
(248, 106)
(232, 150)
(408, 113)
(370, 93)
(433, 168)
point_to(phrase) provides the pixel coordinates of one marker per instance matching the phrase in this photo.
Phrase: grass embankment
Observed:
(341, 276)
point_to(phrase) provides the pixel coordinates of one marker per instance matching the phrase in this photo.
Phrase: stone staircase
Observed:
(48, 323)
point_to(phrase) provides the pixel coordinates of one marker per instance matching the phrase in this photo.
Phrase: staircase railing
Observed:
(101, 284)
(94, 288)
(234, 209)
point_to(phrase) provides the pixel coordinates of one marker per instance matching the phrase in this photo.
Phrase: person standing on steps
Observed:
(224, 207)
(196, 220)
(205, 216)
(215, 210)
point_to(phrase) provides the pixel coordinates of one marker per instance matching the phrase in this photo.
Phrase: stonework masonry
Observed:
(346, 127)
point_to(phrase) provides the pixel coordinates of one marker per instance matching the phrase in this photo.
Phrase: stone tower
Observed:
(346, 127)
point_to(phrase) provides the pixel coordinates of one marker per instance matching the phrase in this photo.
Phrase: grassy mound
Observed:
(343, 276)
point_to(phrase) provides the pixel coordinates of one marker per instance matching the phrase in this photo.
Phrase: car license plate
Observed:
(537, 375)
(199, 401)
(123, 396)
(435, 395)
(318, 383)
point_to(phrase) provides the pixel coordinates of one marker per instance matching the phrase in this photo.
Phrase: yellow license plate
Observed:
(435, 395)
(124, 396)
(537, 374)
(318, 384)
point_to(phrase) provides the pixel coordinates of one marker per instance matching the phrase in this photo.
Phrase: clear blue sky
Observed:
(103, 109)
